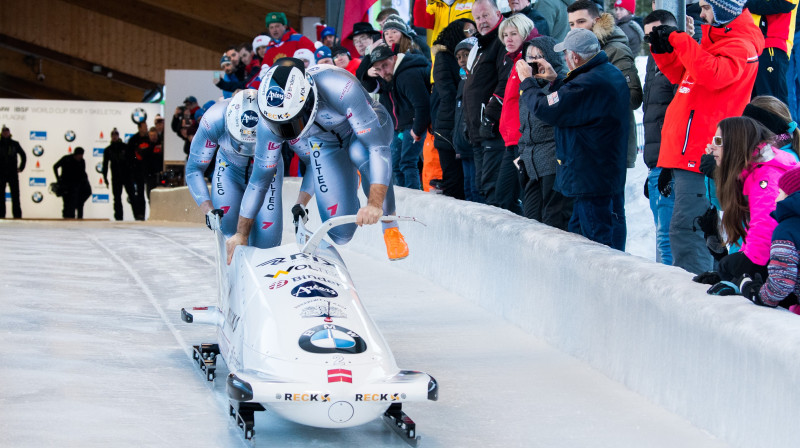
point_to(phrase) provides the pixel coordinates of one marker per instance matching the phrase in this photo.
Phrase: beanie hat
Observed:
(225, 59)
(790, 181)
(630, 5)
(466, 44)
(322, 53)
(726, 10)
(396, 22)
(276, 17)
(337, 50)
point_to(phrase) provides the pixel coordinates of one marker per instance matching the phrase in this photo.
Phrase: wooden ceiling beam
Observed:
(22, 88)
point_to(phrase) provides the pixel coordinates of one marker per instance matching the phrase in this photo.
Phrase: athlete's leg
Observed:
(335, 185)
(227, 189)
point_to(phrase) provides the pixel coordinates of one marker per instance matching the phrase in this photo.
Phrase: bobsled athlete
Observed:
(229, 129)
(325, 112)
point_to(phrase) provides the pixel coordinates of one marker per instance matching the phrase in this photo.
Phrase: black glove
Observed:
(217, 212)
(708, 165)
(646, 190)
(707, 278)
(298, 211)
(723, 289)
(751, 287)
(664, 182)
(659, 39)
(716, 247)
(486, 130)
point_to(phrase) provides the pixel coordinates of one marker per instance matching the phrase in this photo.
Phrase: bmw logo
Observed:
(38, 150)
(69, 136)
(249, 119)
(139, 115)
(275, 97)
(37, 197)
(99, 167)
(329, 338)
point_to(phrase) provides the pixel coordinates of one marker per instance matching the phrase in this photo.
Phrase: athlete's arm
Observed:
(201, 154)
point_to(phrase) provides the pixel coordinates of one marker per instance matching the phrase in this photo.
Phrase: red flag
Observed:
(355, 12)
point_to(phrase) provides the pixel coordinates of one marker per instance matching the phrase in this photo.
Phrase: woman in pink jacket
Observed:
(747, 173)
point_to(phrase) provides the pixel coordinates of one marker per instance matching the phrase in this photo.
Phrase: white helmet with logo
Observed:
(287, 99)
(241, 120)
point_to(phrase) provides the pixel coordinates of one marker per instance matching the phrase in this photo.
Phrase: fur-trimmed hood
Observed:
(607, 31)
(437, 48)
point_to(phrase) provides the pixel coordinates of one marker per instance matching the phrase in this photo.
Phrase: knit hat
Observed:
(630, 5)
(396, 22)
(225, 59)
(337, 50)
(790, 181)
(726, 10)
(322, 53)
(276, 17)
(466, 44)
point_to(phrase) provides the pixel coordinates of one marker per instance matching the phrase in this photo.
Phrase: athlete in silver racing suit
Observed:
(326, 113)
(230, 125)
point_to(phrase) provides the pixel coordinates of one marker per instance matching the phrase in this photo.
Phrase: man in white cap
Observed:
(589, 111)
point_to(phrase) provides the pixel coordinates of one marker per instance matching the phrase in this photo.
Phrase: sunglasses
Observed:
(717, 141)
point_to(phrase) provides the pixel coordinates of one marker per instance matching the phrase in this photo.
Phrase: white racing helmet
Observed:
(241, 120)
(287, 99)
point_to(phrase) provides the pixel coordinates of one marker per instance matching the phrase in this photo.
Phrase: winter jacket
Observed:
(784, 262)
(353, 65)
(461, 141)
(555, 13)
(290, 42)
(509, 117)
(776, 19)
(482, 81)
(445, 84)
(658, 93)
(115, 156)
(614, 42)
(73, 172)
(633, 32)
(589, 110)
(538, 20)
(408, 93)
(139, 151)
(233, 83)
(761, 189)
(9, 150)
(715, 80)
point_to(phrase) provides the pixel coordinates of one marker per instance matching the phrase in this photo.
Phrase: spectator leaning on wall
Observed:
(285, 40)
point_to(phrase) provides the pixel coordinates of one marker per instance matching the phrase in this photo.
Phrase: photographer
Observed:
(182, 120)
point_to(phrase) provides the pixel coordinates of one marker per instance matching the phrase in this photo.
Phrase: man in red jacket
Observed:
(285, 40)
(714, 80)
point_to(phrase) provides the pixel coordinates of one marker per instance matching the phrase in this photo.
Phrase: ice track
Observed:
(95, 354)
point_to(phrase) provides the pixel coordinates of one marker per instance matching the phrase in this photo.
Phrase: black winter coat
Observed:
(461, 141)
(482, 81)
(445, 84)
(116, 156)
(9, 150)
(73, 172)
(658, 93)
(409, 93)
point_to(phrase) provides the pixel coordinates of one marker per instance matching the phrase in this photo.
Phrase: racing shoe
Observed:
(396, 246)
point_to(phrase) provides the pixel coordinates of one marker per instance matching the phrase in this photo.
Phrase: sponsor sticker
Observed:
(36, 197)
(313, 289)
(98, 152)
(38, 135)
(38, 150)
(69, 136)
(380, 397)
(37, 182)
(100, 198)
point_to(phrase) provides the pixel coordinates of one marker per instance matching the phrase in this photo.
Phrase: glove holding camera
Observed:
(212, 223)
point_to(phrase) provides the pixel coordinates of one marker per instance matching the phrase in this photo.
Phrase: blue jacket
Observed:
(589, 111)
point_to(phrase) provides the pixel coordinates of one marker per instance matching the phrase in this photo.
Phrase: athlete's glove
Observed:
(707, 165)
(664, 182)
(212, 223)
(707, 278)
(299, 212)
(750, 288)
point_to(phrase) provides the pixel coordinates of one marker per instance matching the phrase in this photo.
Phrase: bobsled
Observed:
(297, 341)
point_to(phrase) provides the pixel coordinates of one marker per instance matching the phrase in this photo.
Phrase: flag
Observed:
(340, 376)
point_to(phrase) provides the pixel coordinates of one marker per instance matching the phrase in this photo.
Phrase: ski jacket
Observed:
(658, 93)
(784, 272)
(482, 80)
(353, 65)
(290, 42)
(9, 150)
(589, 110)
(509, 117)
(777, 21)
(446, 78)
(715, 79)
(761, 188)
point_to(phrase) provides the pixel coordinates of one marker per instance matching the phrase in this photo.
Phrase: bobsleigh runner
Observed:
(297, 341)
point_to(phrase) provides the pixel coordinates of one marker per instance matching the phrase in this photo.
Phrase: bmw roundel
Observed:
(275, 96)
(249, 119)
(38, 150)
(37, 197)
(139, 115)
(99, 167)
(69, 136)
(329, 338)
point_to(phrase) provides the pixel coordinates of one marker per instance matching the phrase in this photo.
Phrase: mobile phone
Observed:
(534, 67)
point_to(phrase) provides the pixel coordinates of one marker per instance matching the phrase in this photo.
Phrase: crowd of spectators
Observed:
(532, 111)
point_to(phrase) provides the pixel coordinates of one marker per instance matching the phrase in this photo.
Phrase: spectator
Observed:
(323, 56)
(285, 40)
(537, 145)
(154, 161)
(252, 64)
(461, 142)
(116, 156)
(775, 18)
(513, 31)
(782, 284)
(228, 80)
(342, 59)
(555, 13)
(775, 116)
(397, 35)
(406, 77)
(435, 15)
(306, 56)
(584, 14)
(623, 13)
(588, 109)
(190, 103)
(524, 7)
(180, 122)
(446, 79)
(260, 44)
(793, 75)
(9, 170)
(658, 93)
(715, 81)
(482, 81)
(363, 36)
(138, 148)
(747, 173)
(73, 183)
(159, 124)
(328, 37)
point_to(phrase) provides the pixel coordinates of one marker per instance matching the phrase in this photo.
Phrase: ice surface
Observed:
(95, 353)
